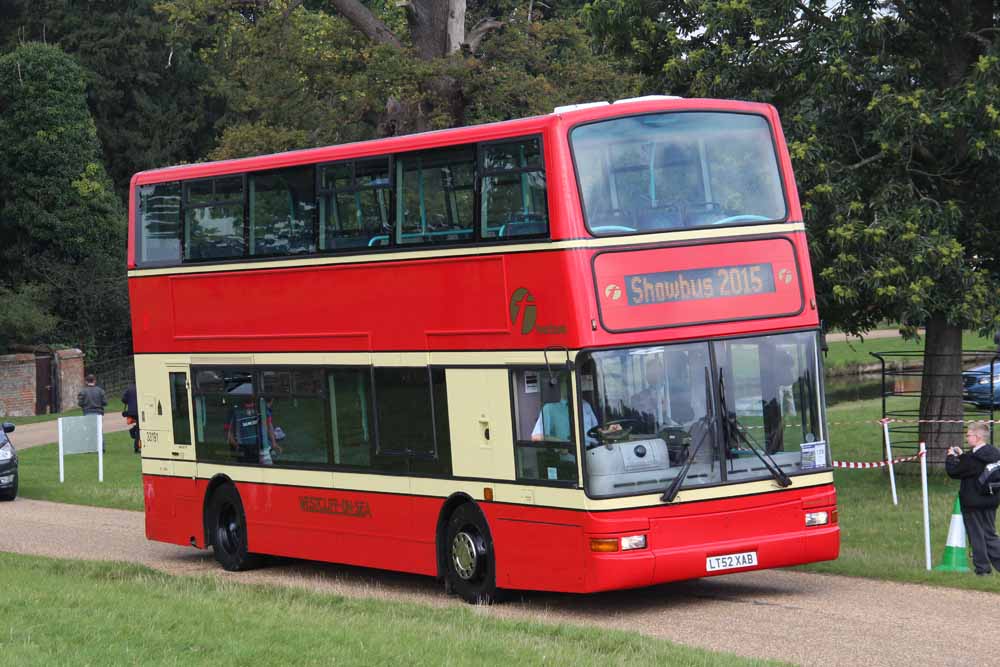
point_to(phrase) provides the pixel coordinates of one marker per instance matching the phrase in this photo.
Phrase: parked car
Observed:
(8, 464)
(979, 387)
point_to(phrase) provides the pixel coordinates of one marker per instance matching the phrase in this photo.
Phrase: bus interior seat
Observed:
(530, 228)
(654, 218)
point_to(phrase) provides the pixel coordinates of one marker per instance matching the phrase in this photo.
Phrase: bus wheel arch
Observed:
(226, 526)
(466, 557)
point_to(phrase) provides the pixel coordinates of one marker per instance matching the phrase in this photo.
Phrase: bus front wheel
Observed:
(228, 531)
(470, 569)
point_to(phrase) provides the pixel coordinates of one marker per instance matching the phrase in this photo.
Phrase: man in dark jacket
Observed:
(131, 415)
(91, 398)
(979, 511)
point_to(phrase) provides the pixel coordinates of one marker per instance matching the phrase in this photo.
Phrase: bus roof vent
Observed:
(648, 98)
(577, 107)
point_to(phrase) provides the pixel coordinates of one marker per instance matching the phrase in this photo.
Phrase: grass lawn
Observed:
(856, 352)
(60, 612)
(878, 540)
(114, 407)
(121, 489)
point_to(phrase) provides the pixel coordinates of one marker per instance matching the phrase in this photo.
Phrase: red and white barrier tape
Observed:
(862, 465)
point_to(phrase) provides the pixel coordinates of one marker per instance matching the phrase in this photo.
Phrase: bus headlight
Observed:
(817, 518)
(633, 542)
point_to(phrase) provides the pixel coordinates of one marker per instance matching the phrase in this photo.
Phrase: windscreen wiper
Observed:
(735, 432)
(675, 486)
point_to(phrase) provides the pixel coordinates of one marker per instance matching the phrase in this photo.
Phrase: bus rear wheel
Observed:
(470, 566)
(228, 530)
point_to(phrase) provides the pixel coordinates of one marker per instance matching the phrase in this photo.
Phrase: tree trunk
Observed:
(437, 27)
(941, 391)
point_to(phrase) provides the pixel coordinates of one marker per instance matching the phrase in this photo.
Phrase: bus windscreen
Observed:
(666, 171)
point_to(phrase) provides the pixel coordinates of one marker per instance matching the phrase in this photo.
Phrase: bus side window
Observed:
(294, 429)
(160, 223)
(179, 408)
(513, 190)
(355, 204)
(412, 420)
(282, 205)
(544, 447)
(351, 426)
(213, 218)
(435, 196)
(226, 409)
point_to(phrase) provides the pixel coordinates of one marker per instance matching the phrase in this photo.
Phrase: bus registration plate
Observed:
(731, 561)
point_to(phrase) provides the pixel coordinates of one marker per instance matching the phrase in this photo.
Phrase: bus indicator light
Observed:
(603, 545)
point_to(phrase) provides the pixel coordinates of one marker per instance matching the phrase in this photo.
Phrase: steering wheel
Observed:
(602, 432)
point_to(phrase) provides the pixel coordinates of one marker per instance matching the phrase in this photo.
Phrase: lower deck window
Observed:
(544, 447)
(384, 420)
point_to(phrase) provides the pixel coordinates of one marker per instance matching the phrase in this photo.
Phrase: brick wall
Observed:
(17, 385)
(70, 377)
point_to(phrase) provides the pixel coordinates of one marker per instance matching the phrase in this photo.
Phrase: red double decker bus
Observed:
(576, 352)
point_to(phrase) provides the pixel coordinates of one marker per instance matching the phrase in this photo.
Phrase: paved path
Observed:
(42, 433)
(805, 618)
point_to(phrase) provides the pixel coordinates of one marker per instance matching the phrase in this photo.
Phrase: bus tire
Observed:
(228, 530)
(470, 565)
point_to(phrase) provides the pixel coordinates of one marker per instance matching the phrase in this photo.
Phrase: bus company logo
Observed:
(522, 296)
(613, 292)
(316, 505)
(785, 276)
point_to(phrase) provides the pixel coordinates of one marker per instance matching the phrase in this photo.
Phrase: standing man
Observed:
(91, 398)
(979, 510)
(131, 415)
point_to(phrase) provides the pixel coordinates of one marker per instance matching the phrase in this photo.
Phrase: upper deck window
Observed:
(213, 218)
(160, 222)
(667, 171)
(513, 189)
(355, 204)
(436, 196)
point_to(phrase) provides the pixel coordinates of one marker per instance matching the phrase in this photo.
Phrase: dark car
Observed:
(981, 387)
(8, 464)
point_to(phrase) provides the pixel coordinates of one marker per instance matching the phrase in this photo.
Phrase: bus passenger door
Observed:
(479, 416)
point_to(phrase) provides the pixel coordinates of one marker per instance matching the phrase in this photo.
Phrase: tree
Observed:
(895, 135)
(145, 90)
(62, 226)
(307, 69)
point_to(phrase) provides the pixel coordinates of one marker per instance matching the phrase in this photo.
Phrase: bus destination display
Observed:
(692, 284)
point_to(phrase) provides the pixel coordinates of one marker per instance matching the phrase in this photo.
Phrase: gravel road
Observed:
(804, 618)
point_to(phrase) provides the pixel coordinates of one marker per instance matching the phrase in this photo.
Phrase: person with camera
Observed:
(979, 510)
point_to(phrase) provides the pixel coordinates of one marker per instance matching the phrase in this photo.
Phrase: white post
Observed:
(892, 471)
(100, 448)
(927, 521)
(60, 451)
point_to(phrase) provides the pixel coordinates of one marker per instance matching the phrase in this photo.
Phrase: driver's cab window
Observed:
(545, 421)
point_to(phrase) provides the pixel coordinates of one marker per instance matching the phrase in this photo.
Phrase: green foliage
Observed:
(62, 225)
(25, 314)
(526, 69)
(332, 85)
(145, 87)
(891, 124)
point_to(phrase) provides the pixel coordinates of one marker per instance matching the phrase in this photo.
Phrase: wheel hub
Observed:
(464, 555)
